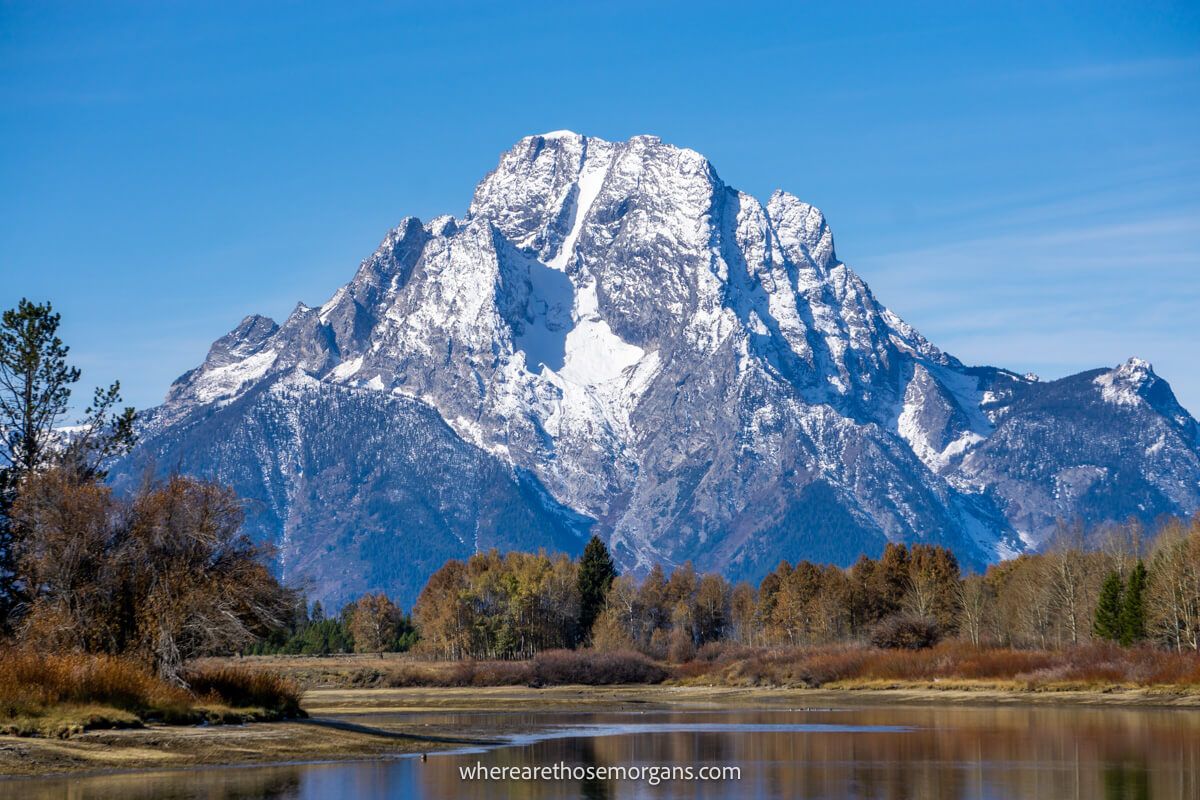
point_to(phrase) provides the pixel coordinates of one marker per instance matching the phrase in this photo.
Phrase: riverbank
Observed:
(1094, 667)
(347, 723)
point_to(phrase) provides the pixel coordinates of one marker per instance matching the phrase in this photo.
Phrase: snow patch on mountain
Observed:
(346, 369)
(223, 382)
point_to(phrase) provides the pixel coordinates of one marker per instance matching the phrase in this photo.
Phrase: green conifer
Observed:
(1133, 607)
(596, 573)
(1107, 624)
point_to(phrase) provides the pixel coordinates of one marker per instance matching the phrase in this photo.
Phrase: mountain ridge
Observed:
(671, 363)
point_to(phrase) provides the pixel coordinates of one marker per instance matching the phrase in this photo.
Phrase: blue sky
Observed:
(1020, 182)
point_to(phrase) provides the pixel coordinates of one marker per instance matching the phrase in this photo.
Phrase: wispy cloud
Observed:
(1113, 70)
(1058, 296)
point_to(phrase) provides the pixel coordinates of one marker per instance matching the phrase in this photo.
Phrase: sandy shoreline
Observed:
(344, 723)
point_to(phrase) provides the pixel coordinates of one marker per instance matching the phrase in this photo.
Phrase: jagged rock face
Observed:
(615, 340)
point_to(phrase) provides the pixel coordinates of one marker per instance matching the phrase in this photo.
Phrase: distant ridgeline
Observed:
(611, 340)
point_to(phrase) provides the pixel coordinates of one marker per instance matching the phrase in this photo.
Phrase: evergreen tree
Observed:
(1133, 609)
(35, 393)
(35, 384)
(1107, 624)
(596, 574)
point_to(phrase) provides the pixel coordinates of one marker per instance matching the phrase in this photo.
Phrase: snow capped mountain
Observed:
(613, 339)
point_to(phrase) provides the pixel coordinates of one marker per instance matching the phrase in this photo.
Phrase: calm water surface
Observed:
(897, 752)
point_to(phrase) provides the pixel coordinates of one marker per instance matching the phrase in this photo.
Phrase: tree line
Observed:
(1115, 583)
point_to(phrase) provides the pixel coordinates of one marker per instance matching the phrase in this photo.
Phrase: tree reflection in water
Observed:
(943, 752)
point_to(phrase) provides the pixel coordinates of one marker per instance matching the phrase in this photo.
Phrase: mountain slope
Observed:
(616, 340)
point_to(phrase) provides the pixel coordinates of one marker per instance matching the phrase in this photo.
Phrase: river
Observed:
(856, 752)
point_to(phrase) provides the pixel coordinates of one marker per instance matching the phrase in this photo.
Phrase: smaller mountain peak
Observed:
(406, 227)
(798, 222)
(1136, 366)
(786, 202)
(250, 332)
(444, 225)
(254, 323)
(1125, 383)
(300, 311)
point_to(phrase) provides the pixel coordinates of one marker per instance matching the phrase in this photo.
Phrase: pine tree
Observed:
(596, 574)
(35, 384)
(1133, 609)
(35, 388)
(35, 393)
(1107, 624)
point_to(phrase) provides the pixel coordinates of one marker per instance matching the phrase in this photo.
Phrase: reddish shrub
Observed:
(557, 667)
(905, 632)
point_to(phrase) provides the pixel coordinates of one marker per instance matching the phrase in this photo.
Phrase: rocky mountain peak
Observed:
(613, 339)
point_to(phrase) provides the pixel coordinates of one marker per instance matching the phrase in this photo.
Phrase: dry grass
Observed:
(243, 688)
(952, 663)
(60, 695)
(551, 668)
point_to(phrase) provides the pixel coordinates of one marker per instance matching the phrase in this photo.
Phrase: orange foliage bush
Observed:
(31, 682)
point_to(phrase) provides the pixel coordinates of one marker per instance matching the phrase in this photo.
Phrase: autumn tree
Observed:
(70, 558)
(375, 623)
(441, 613)
(682, 638)
(793, 614)
(1123, 543)
(933, 585)
(495, 606)
(652, 605)
(1067, 582)
(976, 599)
(623, 613)
(892, 579)
(866, 605)
(1023, 607)
(1173, 597)
(741, 614)
(610, 633)
(165, 576)
(830, 609)
(199, 584)
(681, 586)
(768, 598)
(712, 609)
